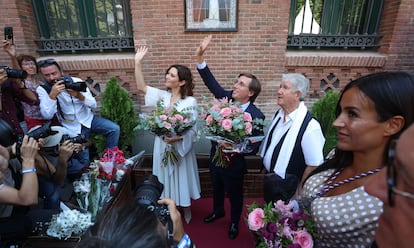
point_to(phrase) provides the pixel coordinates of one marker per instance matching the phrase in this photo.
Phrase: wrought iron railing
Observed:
(71, 26)
(344, 24)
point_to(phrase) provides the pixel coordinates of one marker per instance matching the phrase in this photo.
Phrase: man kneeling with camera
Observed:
(150, 222)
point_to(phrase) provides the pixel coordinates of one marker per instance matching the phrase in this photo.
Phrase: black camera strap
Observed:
(170, 232)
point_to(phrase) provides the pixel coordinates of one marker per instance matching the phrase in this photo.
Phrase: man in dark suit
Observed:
(230, 179)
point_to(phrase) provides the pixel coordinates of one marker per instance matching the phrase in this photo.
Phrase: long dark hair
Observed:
(392, 94)
(184, 73)
(128, 225)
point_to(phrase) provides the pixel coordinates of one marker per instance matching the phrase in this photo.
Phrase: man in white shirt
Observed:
(294, 142)
(73, 108)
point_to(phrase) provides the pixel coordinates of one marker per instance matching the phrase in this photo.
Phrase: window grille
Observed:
(345, 24)
(71, 26)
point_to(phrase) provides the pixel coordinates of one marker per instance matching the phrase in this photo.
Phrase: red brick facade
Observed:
(259, 46)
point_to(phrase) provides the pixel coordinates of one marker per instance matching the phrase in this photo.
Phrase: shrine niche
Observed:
(211, 15)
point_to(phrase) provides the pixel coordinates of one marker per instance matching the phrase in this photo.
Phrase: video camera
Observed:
(72, 85)
(14, 73)
(147, 193)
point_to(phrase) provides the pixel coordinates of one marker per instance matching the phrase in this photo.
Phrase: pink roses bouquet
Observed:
(280, 225)
(227, 124)
(168, 121)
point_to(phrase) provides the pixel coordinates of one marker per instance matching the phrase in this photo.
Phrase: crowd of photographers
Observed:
(45, 121)
(59, 134)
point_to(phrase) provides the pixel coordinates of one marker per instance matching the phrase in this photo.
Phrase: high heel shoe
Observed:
(187, 214)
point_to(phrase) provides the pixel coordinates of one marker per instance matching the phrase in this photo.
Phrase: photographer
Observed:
(51, 162)
(16, 191)
(136, 226)
(64, 96)
(14, 91)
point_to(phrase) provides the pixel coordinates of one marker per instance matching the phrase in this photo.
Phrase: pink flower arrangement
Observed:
(227, 124)
(166, 121)
(280, 225)
(226, 119)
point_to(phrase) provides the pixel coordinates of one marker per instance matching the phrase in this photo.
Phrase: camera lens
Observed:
(149, 191)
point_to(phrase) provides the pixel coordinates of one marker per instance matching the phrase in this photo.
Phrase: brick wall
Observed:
(259, 46)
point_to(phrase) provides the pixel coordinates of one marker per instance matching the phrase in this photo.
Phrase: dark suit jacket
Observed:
(237, 167)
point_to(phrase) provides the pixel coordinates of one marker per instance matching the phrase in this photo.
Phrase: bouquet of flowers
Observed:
(97, 184)
(227, 124)
(68, 223)
(168, 121)
(281, 225)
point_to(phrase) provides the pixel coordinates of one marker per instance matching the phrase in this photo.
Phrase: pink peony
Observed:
(226, 124)
(249, 128)
(166, 125)
(285, 209)
(172, 120)
(225, 112)
(247, 117)
(215, 107)
(209, 120)
(255, 219)
(179, 117)
(163, 117)
(303, 238)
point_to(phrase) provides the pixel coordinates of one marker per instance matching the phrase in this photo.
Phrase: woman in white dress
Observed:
(181, 181)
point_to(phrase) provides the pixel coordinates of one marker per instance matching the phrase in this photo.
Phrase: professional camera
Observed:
(41, 132)
(36, 133)
(79, 139)
(74, 83)
(14, 73)
(148, 193)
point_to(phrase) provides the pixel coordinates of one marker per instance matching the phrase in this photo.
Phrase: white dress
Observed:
(181, 182)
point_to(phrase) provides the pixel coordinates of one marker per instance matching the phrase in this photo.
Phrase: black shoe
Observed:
(233, 231)
(212, 217)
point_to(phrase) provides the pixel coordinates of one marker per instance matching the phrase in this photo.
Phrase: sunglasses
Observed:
(47, 62)
(392, 177)
(28, 63)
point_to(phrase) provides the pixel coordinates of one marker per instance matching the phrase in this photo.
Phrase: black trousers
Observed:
(233, 186)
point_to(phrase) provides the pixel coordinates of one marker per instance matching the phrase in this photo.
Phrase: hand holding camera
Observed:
(178, 231)
(28, 149)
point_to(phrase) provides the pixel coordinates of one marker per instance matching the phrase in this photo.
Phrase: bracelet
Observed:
(28, 170)
(185, 242)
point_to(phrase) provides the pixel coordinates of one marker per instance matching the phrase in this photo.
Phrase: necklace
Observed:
(330, 185)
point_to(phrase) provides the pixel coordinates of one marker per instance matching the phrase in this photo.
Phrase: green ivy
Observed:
(324, 111)
(118, 106)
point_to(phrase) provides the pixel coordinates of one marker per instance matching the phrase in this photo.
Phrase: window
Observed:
(211, 15)
(346, 24)
(71, 26)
